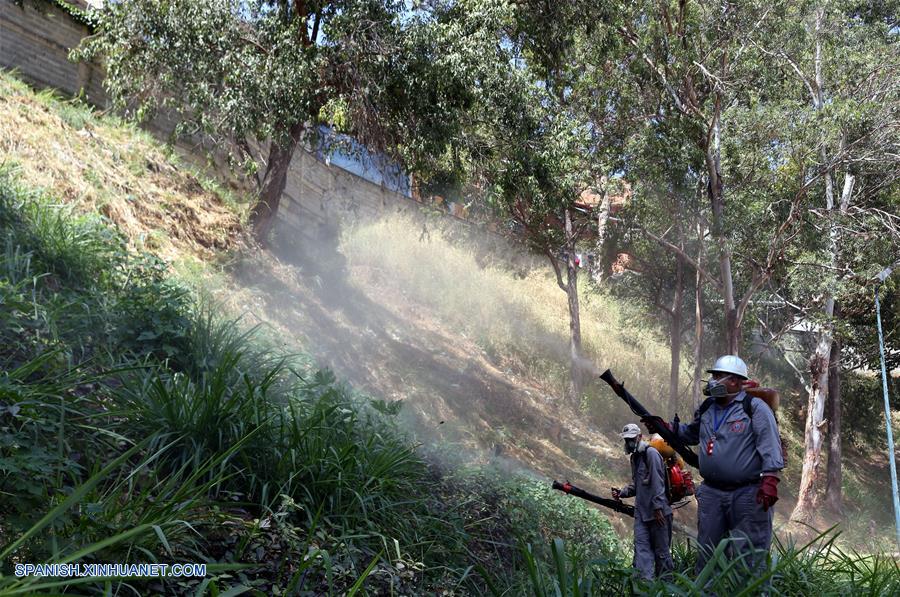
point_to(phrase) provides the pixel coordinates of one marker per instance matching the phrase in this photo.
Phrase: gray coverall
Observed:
(742, 449)
(652, 556)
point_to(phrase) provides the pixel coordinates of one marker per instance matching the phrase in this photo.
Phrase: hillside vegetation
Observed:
(142, 422)
(106, 166)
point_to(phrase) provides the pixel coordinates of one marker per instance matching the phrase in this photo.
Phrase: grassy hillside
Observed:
(141, 422)
(105, 166)
(522, 318)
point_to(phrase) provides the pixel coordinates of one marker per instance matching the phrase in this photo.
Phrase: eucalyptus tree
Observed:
(703, 60)
(842, 60)
(261, 76)
(541, 133)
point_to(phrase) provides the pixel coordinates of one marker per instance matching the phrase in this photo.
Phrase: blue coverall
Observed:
(652, 554)
(735, 451)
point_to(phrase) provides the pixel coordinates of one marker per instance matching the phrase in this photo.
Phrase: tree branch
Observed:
(802, 75)
(667, 310)
(553, 261)
(682, 107)
(687, 258)
(315, 30)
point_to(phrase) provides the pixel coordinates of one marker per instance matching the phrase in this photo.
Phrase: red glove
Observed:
(768, 491)
(651, 422)
(660, 519)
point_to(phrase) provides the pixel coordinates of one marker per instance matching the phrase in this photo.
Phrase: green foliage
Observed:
(237, 71)
(572, 575)
(500, 512)
(537, 512)
(818, 567)
(865, 420)
(85, 17)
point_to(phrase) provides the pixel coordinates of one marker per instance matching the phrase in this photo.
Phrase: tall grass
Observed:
(102, 352)
(525, 318)
(815, 568)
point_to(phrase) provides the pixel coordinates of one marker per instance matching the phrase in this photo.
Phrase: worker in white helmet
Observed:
(740, 460)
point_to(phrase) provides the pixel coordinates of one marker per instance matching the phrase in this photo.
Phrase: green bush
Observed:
(69, 281)
(510, 520)
(102, 351)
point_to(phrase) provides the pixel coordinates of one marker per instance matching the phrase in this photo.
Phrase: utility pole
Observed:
(887, 405)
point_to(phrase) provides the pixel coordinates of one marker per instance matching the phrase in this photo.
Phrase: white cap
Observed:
(730, 364)
(629, 431)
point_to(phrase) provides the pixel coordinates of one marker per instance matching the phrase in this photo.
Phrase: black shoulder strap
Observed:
(748, 406)
(704, 406)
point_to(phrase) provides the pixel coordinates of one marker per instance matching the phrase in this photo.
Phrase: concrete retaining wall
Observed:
(35, 40)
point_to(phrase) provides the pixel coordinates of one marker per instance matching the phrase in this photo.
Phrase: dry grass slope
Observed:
(521, 319)
(101, 164)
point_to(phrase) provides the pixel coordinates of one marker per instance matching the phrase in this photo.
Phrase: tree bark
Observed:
(716, 194)
(675, 330)
(833, 493)
(575, 367)
(597, 270)
(262, 216)
(698, 315)
(807, 496)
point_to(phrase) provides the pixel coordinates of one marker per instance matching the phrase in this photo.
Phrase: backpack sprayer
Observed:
(678, 480)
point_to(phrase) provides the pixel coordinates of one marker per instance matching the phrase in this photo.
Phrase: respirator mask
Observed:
(631, 445)
(715, 388)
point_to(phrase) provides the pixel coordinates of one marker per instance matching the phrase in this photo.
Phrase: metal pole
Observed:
(887, 414)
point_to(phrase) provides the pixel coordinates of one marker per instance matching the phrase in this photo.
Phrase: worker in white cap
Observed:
(652, 513)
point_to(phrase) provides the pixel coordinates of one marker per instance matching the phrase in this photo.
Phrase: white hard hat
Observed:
(630, 430)
(730, 364)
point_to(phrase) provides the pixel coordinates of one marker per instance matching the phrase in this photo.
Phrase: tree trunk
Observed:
(263, 214)
(575, 366)
(818, 393)
(598, 273)
(716, 193)
(675, 330)
(833, 498)
(807, 496)
(698, 317)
